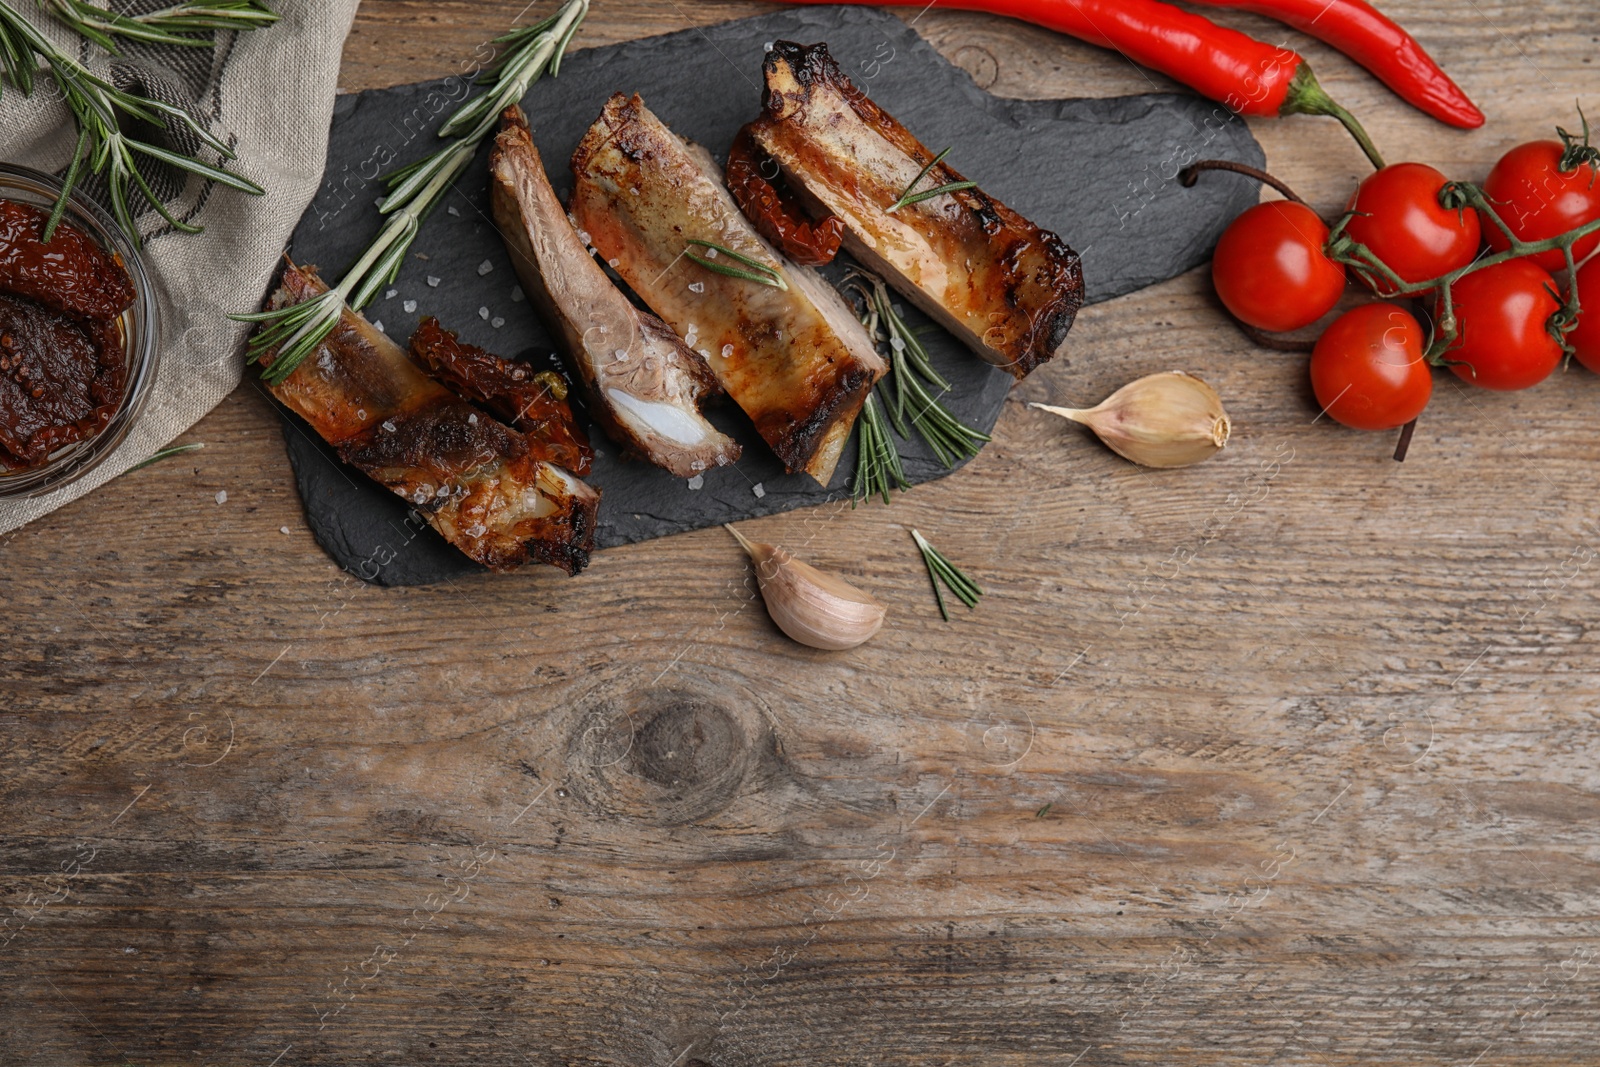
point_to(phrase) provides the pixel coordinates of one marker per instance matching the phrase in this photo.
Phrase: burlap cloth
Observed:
(270, 93)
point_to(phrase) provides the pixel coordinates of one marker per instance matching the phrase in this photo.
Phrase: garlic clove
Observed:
(1161, 420)
(815, 608)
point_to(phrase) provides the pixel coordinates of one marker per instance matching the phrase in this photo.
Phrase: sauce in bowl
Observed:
(63, 356)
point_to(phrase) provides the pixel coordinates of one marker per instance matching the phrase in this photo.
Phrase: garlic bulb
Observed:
(816, 609)
(1161, 420)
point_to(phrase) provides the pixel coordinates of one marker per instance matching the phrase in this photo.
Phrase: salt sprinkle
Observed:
(484, 268)
(711, 253)
(767, 47)
(612, 262)
(391, 294)
(378, 325)
(897, 344)
(517, 295)
(483, 313)
(451, 210)
(759, 490)
(727, 351)
(410, 306)
(388, 424)
(497, 322)
(283, 529)
(583, 235)
(697, 481)
(477, 529)
(620, 355)
(222, 496)
(472, 420)
(697, 287)
(433, 283)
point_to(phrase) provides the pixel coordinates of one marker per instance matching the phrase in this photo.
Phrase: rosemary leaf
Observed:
(757, 272)
(910, 196)
(167, 453)
(941, 570)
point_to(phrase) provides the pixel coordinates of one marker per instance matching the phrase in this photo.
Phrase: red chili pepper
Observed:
(775, 213)
(1367, 36)
(1248, 76)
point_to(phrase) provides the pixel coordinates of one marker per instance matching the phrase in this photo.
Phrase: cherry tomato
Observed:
(1269, 268)
(1585, 337)
(1538, 200)
(1368, 370)
(1402, 222)
(1502, 313)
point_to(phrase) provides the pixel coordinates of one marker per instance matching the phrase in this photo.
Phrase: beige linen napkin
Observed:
(269, 92)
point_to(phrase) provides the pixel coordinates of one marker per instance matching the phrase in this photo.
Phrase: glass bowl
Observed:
(141, 334)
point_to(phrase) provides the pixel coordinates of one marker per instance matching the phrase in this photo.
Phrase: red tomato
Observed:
(1368, 371)
(1585, 337)
(1534, 197)
(1270, 270)
(1502, 313)
(1402, 222)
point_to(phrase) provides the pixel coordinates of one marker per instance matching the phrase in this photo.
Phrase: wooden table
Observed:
(1282, 759)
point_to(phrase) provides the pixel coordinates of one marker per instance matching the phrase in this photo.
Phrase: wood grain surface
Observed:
(1284, 759)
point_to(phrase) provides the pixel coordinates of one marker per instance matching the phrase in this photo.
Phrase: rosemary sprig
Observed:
(167, 453)
(97, 106)
(942, 570)
(877, 459)
(910, 378)
(296, 331)
(179, 24)
(757, 272)
(910, 196)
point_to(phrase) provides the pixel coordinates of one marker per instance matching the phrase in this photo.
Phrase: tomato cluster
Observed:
(1279, 267)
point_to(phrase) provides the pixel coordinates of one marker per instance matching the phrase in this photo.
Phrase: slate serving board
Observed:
(1097, 172)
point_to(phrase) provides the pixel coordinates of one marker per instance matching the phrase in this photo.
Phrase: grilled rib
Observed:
(487, 488)
(797, 360)
(1007, 288)
(643, 384)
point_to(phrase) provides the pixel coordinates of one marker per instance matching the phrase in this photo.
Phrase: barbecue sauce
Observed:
(63, 356)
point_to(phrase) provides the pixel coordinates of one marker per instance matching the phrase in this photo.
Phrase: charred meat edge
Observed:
(481, 484)
(803, 389)
(643, 384)
(1009, 289)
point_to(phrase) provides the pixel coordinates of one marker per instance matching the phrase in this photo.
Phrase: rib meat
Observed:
(797, 360)
(1007, 288)
(491, 491)
(643, 384)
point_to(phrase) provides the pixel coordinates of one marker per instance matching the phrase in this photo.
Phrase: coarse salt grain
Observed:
(433, 283)
(378, 325)
(517, 295)
(497, 322)
(612, 262)
(697, 481)
(388, 424)
(391, 294)
(484, 268)
(697, 287)
(283, 529)
(483, 313)
(410, 306)
(472, 420)
(451, 210)
(727, 351)
(759, 490)
(222, 496)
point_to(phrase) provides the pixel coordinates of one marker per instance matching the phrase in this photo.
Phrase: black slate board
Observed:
(1098, 172)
